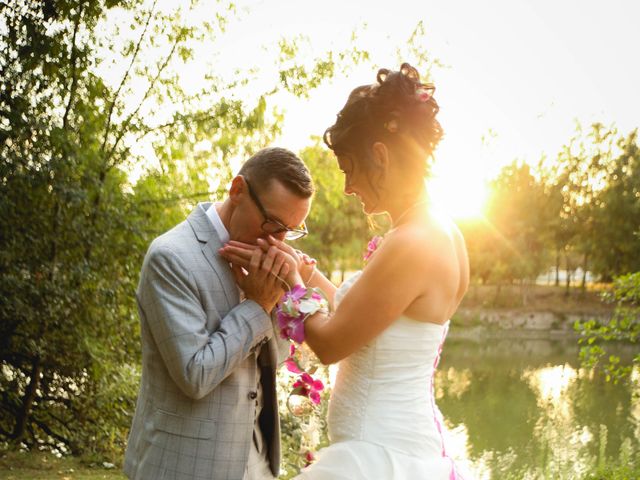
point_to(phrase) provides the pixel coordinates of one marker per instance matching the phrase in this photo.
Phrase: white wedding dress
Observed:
(383, 420)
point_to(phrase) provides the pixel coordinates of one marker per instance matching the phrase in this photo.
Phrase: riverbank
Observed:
(542, 312)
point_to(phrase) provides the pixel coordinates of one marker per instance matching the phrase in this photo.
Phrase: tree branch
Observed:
(128, 121)
(124, 78)
(74, 77)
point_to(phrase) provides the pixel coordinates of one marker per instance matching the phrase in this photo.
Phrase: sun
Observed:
(459, 197)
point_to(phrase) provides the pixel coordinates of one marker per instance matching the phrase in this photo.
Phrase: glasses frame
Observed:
(291, 233)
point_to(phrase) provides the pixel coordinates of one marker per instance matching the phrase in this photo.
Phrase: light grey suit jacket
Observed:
(194, 416)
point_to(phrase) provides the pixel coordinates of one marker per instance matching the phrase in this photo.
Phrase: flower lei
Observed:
(294, 308)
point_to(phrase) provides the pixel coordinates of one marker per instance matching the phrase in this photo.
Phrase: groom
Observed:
(207, 403)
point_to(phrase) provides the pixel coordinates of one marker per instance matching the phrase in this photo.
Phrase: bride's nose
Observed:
(348, 190)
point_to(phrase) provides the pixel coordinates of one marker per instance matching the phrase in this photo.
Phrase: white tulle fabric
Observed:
(383, 420)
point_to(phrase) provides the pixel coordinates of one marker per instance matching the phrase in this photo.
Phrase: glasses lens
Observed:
(294, 234)
(273, 227)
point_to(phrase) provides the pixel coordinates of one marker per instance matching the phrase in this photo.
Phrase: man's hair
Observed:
(278, 164)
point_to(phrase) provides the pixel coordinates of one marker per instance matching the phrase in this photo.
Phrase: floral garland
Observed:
(294, 308)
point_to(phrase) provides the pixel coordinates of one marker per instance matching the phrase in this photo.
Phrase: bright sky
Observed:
(517, 74)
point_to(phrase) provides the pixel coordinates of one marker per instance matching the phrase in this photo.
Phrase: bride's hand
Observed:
(304, 263)
(240, 253)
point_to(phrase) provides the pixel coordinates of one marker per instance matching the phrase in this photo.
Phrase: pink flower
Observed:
(308, 387)
(309, 458)
(372, 246)
(291, 327)
(297, 292)
(424, 94)
(291, 363)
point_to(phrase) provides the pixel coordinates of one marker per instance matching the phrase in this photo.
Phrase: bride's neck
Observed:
(406, 209)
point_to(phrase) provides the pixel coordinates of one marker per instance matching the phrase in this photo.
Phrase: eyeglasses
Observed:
(272, 226)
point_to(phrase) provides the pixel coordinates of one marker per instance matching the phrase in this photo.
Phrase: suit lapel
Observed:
(209, 244)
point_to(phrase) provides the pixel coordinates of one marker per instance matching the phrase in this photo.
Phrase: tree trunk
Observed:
(524, 292)
(568, 279)
(585, 266)
(498, 288)
(27, 401)
(557, 267)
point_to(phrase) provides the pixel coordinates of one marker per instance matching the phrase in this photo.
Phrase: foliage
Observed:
(617, 220)
(84, 87)
(579, 209)
(624, 326)
(509, 243)
(338, 228)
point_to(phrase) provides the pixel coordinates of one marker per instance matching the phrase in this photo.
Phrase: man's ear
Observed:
(237, 188)
(380, 155)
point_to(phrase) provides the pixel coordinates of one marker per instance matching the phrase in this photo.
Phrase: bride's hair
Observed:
(399, 111)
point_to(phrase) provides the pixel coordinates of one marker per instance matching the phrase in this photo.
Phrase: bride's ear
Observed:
(380, 155)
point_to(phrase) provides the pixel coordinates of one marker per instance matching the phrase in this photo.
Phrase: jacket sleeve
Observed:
(196, 359)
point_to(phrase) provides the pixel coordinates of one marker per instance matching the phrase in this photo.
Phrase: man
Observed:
(207, 403)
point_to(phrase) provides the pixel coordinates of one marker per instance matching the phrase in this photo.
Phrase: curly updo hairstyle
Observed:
(399, 111)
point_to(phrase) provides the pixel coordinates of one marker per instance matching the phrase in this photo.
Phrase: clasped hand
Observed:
(264, 270)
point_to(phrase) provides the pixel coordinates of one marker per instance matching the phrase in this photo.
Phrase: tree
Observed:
(596, 177)
(74, 226)
(616, 239)
(597, 337)
(339, 228)
(517, 214)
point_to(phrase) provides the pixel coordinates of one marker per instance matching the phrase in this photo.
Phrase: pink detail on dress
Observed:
(453, 475)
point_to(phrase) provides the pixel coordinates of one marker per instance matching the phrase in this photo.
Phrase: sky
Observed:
(516, 75)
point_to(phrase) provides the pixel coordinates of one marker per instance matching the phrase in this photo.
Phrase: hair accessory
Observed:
(423, 94)
(391, 126)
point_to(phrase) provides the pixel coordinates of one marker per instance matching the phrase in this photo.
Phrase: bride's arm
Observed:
(401, 271)
(318, 280)
(314, 277)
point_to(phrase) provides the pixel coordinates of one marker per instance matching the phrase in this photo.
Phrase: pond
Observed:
(523, 408)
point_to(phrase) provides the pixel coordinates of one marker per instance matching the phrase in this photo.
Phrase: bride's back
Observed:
(442, 290)
(383, 392)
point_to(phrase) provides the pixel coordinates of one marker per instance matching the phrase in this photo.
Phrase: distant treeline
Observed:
(579, 209)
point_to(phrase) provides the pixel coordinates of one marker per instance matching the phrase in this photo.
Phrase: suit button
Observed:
(253, 395)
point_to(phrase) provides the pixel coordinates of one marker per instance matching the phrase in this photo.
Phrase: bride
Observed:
(389, 321)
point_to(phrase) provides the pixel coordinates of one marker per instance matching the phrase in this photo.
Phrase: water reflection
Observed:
(525, 409)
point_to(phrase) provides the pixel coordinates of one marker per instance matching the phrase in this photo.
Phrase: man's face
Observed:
(275, 203)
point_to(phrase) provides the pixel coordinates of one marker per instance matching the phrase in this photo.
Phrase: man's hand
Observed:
(260, 277)
(301, 266)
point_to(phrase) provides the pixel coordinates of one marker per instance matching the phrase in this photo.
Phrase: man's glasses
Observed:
(272, 226)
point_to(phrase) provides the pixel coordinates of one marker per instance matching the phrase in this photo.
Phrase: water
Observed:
(523, 408)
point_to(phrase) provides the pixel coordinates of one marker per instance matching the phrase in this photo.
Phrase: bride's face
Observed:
(356, 182)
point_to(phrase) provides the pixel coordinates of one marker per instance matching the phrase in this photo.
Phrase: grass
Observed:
(45, 466)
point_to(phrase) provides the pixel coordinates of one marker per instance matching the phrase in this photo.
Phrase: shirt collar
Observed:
(221, 230)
